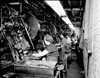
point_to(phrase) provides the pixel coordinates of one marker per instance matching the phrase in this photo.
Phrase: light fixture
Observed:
(57, 7)
(14, 3)
(67, 21)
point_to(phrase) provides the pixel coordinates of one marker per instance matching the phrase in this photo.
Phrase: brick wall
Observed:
(92, 34)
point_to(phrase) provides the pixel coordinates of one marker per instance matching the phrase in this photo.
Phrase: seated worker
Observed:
(51, 50)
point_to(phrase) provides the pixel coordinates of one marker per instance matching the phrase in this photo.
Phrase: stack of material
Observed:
(34, 69)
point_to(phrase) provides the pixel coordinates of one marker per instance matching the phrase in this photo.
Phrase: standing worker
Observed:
(66, 42)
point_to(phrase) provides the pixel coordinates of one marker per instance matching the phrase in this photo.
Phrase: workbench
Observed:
(34, 69)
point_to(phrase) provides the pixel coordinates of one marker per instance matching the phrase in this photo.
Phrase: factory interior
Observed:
(50, 39)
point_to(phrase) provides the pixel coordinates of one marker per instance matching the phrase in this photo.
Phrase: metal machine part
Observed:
(15, 31)
(32, 23)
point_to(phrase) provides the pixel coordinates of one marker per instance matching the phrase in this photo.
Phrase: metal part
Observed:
(14, 30)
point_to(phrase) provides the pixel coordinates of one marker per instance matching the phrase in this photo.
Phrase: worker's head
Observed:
(48, 39)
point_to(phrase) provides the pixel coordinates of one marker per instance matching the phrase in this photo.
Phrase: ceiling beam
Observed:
(76, 22)
(74, 9)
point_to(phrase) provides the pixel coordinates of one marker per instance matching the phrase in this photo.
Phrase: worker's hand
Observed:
(35, 55)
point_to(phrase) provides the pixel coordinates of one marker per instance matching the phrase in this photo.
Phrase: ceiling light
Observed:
(67, 21)
(57, 7)
(14, 3)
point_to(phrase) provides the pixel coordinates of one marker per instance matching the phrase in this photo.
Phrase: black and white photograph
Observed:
(50, 39)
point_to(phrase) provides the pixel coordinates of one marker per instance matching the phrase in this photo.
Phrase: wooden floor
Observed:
(73, 71)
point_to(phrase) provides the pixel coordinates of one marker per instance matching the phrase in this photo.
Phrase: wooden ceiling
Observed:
(75, 10)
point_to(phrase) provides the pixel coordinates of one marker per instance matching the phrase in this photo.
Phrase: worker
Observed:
(50, 51)
(66, 42)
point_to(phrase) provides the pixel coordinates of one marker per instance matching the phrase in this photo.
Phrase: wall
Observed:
(91, 25)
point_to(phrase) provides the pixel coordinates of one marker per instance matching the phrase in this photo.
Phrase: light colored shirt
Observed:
(68, 40)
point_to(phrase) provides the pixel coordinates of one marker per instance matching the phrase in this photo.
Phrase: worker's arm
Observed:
(50, 48)
(40, 54)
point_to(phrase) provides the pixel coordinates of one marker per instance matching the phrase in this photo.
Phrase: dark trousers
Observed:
(61, 55)
(81, 60)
